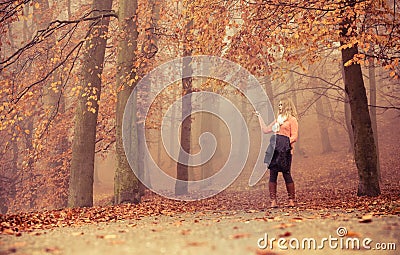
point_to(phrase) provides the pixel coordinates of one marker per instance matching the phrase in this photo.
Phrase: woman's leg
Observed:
(273, 177)
(290, 188)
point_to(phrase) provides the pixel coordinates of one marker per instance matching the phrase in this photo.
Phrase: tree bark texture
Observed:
(83, 146)
(364, 145)
(372, 108)
(126, 184)
(182, 169)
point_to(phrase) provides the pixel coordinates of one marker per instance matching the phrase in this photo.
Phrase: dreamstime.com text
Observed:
(342, 241)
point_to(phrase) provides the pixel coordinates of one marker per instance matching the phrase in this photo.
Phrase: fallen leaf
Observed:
(283, 225)
(239, 235)
(110, 236)
(286, 234)
(107, 236)
(353, 234)
(196, 243)
(265, 252)
(366, 218)
(297, 219)
(52, 249)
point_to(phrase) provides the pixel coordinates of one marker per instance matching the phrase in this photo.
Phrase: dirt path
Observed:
(227, 232)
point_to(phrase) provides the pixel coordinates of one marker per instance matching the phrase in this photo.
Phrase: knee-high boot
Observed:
(272, 194)
(291, 193)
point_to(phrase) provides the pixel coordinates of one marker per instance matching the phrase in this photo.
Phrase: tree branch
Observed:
(42, 34)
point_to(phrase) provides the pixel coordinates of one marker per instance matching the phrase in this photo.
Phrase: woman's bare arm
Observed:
(264, 128)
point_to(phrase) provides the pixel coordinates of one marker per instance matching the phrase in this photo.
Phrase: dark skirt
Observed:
(281, 158)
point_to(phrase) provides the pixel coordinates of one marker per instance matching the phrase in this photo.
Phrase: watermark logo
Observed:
(341, 231)
(342, 241)
(158, 80)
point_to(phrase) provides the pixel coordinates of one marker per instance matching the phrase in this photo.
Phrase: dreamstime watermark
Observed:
(204, 67)
(340, 241)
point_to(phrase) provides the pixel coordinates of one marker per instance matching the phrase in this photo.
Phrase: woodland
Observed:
(68, 67)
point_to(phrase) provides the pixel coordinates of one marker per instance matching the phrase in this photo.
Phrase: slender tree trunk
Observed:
(126, 184)
(321, 119)
(27, 170)
(173, 132)
(210, 123)
(328, 104)
(372, 108)
(152, 41)
(323, 126)
(182, 166)
(364, 144)
(96, 179)
(54, 104)
(204, 124)
(347, 116)
(182, 171)
(11, 192)
(83, 146)
(34, 185)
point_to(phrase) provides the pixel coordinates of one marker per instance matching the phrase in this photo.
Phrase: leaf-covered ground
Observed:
(317, 189)
(203, 232)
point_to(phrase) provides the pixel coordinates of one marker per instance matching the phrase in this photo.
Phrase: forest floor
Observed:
(222, 232)
(236, 221)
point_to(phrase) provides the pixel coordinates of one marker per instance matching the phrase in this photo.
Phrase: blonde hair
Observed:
(288, 108)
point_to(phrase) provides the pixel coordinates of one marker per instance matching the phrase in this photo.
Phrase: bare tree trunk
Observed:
(328, 103)
(321, 119)
(11, 191)
(364, 145)
(54, 104)
(347, 116)
(152, 44)
(209, 123)
(323, 127)
(83, 146)
(204, 124)
(96, 179)
(29, 167)
(372, 109)
(173, 132)
(182, 169)
(126, 184)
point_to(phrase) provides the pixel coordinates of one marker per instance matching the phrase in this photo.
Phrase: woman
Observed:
(286, 129)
